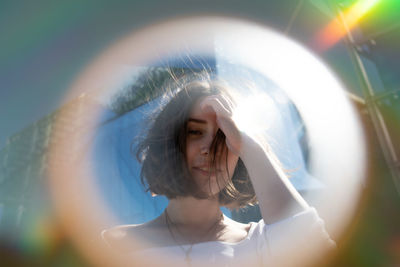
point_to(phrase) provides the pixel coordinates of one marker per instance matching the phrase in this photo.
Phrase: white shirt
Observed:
(289, 242)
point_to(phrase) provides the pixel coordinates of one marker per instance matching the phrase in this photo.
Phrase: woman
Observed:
(196, 156)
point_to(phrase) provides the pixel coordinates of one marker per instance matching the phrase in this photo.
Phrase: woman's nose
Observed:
(205, 150)
(205, 146)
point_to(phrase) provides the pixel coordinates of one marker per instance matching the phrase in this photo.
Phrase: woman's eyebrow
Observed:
(196, 120)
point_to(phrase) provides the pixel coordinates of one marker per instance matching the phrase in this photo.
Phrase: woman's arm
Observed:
(277, 197)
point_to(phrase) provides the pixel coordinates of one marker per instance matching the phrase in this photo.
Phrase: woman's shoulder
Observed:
(120, 232)
(134, 236)
(235, 232)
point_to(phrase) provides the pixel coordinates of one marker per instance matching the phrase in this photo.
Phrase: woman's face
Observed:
(201, 131)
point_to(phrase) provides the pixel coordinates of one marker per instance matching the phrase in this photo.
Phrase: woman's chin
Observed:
(208, 185)
(209, 192)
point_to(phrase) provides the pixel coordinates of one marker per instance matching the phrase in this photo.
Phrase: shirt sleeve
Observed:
(293, 240)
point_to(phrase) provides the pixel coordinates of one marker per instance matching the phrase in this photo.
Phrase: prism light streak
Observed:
(339, 26)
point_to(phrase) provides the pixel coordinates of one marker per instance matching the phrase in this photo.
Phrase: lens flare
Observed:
(343, 23)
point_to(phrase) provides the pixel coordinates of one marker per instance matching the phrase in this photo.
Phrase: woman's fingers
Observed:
(226, 102)
(223, 108)
(217, 105)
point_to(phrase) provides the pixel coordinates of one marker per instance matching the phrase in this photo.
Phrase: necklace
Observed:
(187, 252)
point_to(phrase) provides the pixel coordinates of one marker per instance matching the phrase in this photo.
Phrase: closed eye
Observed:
(195, 132)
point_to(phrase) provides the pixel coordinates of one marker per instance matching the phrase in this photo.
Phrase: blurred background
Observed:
(45, 45)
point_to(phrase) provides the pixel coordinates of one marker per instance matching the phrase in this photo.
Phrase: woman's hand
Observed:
(223, 109)
(274, 191)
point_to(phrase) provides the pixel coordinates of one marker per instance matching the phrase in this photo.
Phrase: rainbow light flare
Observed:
(344, 22)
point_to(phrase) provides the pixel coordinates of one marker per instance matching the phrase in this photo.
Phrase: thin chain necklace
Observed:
(187, 252)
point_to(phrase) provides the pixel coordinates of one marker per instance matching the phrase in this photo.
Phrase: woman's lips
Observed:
(206, 172)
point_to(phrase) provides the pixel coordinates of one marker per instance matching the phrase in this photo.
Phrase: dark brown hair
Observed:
(162, 152)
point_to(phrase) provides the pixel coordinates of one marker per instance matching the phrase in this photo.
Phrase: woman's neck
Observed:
(191, 212)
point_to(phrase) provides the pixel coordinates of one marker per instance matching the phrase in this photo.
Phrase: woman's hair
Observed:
(162, 152)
